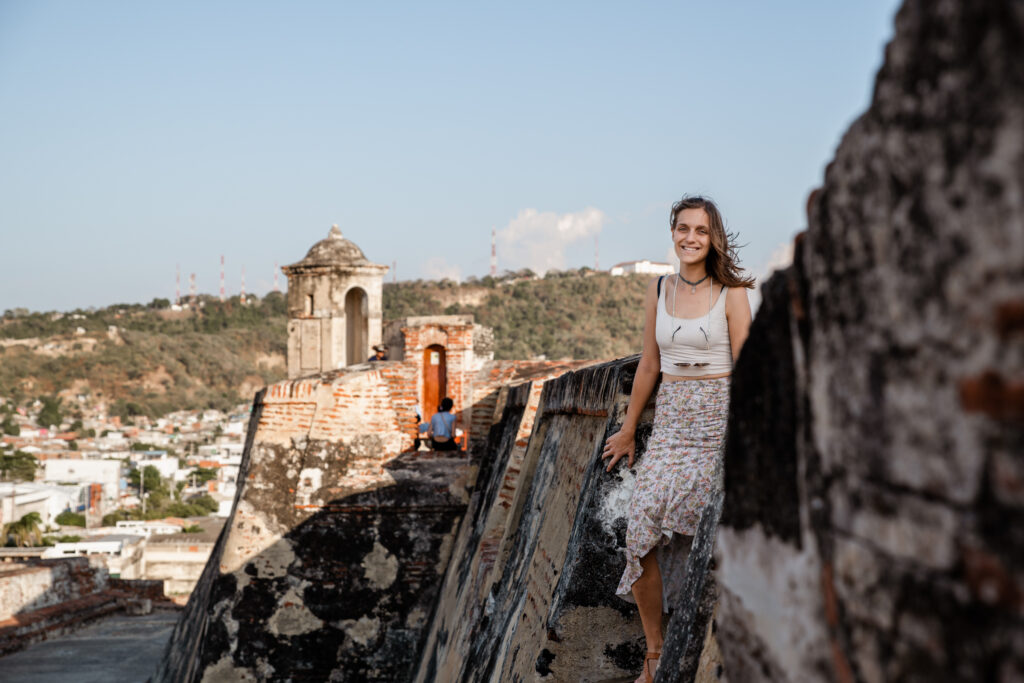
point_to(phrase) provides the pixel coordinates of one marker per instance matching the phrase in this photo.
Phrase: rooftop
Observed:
(116, 648)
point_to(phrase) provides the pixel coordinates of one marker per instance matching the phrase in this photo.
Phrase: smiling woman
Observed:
(695, 324)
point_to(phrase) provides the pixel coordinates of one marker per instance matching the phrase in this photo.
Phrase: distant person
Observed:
(421, 431)
(442, 427)
(380, 352)
(695, 324)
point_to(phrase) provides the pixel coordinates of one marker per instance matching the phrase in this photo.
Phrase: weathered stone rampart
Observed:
(875, 470)
(332, 556)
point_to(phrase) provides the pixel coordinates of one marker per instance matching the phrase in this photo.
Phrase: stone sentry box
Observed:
(334, 307)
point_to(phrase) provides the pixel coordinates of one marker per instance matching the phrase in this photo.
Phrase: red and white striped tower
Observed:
(494, 252)
(177, 283)
(222, 297)
(277, 288)
(192, 287)
(241, 294)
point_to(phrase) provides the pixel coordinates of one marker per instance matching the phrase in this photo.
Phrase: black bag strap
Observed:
(659, 285)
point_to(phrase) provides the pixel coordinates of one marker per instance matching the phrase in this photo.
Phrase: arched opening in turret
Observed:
(356, 326)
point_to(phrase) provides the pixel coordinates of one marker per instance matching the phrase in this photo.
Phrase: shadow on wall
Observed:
(345, 593)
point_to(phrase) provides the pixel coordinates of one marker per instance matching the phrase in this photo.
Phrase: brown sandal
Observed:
(647, 675)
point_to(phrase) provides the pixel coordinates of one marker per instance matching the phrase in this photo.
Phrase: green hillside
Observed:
(155, 361)
(575, 314)
(148, 359)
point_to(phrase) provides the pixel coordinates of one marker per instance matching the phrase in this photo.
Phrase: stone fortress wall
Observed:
(874, 471)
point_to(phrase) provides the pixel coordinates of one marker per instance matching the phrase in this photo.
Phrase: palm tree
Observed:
(26, 531)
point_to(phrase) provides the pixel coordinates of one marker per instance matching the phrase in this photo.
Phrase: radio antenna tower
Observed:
(241, 294)
(192, 287)
(222, 297)
(394, 272)
(494, 253)
(277, 288)
(177, 283)
(597, 254)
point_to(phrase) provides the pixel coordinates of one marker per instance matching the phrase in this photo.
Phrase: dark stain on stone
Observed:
(628, 656)
(989, 579)
(1009, 318)
(544, 660)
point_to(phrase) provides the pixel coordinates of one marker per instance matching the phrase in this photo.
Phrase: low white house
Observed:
(643, 267)
(122, 554)
(19, 499)
(167, 466)
(147, 528)
(224, 452)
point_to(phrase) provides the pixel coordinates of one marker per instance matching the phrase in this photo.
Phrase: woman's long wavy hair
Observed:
(723, 263)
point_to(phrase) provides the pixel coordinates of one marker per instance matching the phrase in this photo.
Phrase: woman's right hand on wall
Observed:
(619, 444)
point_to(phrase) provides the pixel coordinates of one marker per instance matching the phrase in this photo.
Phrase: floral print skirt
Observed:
(679, 471)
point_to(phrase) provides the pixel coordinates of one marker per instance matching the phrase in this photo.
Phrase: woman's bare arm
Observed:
(737, 314)
(622, 442)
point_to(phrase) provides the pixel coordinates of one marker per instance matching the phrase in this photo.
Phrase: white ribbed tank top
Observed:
(688, 343)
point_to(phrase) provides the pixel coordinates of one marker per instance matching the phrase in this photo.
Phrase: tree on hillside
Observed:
(50, 414)
(10, 427)
(26, 532)
(153, 482)
(18, 466)
(204, 474)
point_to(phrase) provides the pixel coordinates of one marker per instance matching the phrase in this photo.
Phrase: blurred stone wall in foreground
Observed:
(874, 520)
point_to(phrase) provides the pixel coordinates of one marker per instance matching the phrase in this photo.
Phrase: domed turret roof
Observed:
(335, 250)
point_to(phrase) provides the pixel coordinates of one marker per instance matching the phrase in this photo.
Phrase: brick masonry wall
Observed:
(491, 382)
(45, 583)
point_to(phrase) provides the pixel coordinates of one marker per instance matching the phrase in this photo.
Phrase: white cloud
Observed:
(538, 241)
(439, 269)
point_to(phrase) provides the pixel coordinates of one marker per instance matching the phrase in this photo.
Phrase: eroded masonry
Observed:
(874, 473)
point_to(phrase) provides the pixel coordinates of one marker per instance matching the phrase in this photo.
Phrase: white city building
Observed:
(19, 499)
(76, 471)
(166, 465)
(643, 267)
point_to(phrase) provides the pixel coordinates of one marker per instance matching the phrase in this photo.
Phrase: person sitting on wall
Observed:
(442, 427)
(421, 432)
(380, 352)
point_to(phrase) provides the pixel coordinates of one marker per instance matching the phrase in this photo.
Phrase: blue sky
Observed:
(137, 136)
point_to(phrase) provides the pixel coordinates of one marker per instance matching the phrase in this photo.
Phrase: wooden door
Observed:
(435, 380)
